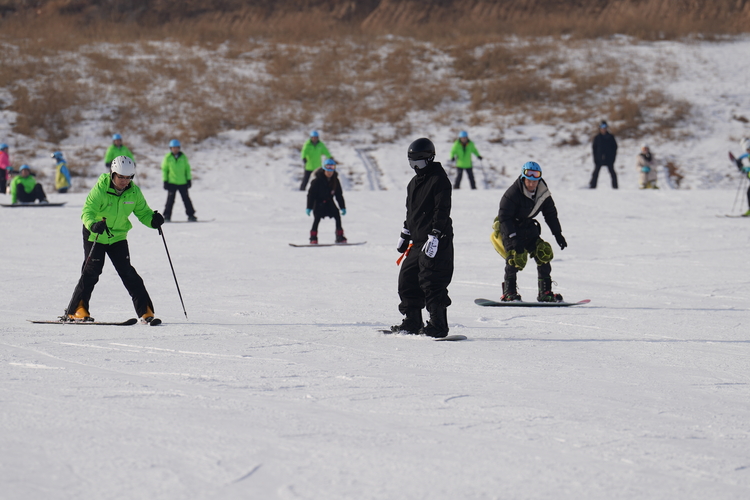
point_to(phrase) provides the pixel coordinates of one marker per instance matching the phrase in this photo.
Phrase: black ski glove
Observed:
(157, 220)
(403, 241)
(189, 184)
(479, 157)
(561, 241)
(166, 185)
(99, 227)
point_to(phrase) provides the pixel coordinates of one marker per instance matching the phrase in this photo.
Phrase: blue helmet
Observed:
(174, 143)
(314, 133)
(117, 137)
(3, 146)
(463, 135)
(24, 167)
(531, 171)
(330, 165)
(57, 155)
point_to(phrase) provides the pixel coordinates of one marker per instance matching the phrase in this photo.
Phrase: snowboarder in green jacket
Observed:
(25, 189)
(116, 149)
(312, 152)
(175, 170)
(106, 224)
(461, 152)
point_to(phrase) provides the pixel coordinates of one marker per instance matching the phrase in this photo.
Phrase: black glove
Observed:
(561, 241)
(166, 185)
(479, 157)
(157, 220)
(189, 184)
(403, 241)
(99, 227)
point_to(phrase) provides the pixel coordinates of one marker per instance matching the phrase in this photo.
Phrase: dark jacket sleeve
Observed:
(339, 195)
(442, 204)
(507, 217)
(311, 194)
(549, 211)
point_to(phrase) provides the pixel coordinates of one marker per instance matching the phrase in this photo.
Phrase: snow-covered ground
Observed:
(278, 384)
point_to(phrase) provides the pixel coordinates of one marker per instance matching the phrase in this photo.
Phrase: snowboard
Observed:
(494, 303)
(14, 205)
(449, 338)
(328, 244)
(735, 216)
(131, 321)
(188, 221)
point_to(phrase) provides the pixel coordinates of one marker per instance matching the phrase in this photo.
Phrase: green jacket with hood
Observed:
(113, 152)
(462, 153)
(104, 202)
(176, 170)
(21, 182)
(312, 154)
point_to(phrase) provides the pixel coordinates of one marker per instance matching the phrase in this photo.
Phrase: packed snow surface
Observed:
(279, 385)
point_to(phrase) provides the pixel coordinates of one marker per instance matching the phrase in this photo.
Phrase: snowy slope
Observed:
(279, 386)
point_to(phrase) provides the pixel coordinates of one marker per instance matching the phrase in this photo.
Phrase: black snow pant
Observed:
(595, 176)
(92, 268)
(334, 215)
(3, 180)
(171, 194)
(423, 282)
(469, 173)
(305, 179)
(36, 194)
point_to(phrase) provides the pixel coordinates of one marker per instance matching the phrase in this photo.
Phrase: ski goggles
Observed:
(118, 176)
(329, 168)
(532, 175)
(415, 164)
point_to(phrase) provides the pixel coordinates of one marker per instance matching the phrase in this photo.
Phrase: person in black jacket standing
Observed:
(604, 147)
(428, 269)
(516, 234)
(323, 189)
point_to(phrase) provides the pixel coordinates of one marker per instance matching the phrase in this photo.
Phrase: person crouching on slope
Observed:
(106, 224)
(25, 189)
(516, 233)
(323, 188)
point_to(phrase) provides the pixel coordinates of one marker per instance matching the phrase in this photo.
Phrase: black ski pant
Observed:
(469, 173)
(595, 176)
(36, 194)
(305, 179)
(335, 216)
(92, 268)
(423, 282)
(3, 180)
(171, 194)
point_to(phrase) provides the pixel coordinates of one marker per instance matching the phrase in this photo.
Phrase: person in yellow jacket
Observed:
(106, 223)
(176, 175)
(62, 174)
(312, 152)
(25, 189)
(461, 152)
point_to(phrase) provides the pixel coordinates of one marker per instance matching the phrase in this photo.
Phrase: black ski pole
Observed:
(173, 273)
(91, 252)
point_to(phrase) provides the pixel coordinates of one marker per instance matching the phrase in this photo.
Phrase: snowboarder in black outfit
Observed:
(516, 232)
(323, 189)
(604, 147)
(427, 271)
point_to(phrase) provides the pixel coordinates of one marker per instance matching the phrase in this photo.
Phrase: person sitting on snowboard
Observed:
(516, 234)
(323, 188)
(25, 189)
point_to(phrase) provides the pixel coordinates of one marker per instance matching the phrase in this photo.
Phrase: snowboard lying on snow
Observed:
(17, 205)
(520, 303)
(327, 244)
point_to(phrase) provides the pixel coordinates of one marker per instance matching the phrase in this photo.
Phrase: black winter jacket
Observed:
(428, 203)
(604, 148)
(517, 211)
(321, 193)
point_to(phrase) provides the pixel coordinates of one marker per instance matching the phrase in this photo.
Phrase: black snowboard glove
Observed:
(166, 185)
(99, 227)
(189, 184)
(157, 220)
(561, 241)
(403, 241)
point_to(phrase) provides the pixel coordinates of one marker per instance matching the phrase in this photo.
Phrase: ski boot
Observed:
(437, 327)
(313, 237)
(147, 317)
(545, 291)
(510, 292)
(411, 325)
(340, 238)
(81, 315)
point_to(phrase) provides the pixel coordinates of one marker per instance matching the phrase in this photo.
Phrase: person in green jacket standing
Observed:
(25, 189)
(116, 149)
(461, 152)
(311, 154)
(175, 170)
(106, 224)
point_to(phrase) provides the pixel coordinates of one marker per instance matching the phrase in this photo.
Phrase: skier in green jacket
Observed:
(461, 152)
(25, 189)
(176, 175)
(106, 224)
(116, 149)
(311, 154)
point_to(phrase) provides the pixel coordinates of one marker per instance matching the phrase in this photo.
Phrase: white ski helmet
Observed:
(745, 144)
(124, 166)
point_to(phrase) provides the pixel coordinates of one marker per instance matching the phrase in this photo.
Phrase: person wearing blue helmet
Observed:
(320, 200)
(176, 174)
(516, 234)
(25, 189)
(312, 152)
(4, 164)
(461, 152)
(117, 148)
(62, 174)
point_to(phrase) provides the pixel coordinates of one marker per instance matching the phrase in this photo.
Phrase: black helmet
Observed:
(421, 153)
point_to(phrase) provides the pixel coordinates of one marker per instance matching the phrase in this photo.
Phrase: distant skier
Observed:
(516, 234)
(117, 148)
(461, 152)
(743, 164)
(25, 189)
(312, 152)
(62, 174)
(106, 224)
(427, 269)
(323, 189)
(604, 147)
(644, 162)
(175, 170)
(4, 164)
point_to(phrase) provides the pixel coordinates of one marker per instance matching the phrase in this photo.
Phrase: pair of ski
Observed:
(131, 321)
